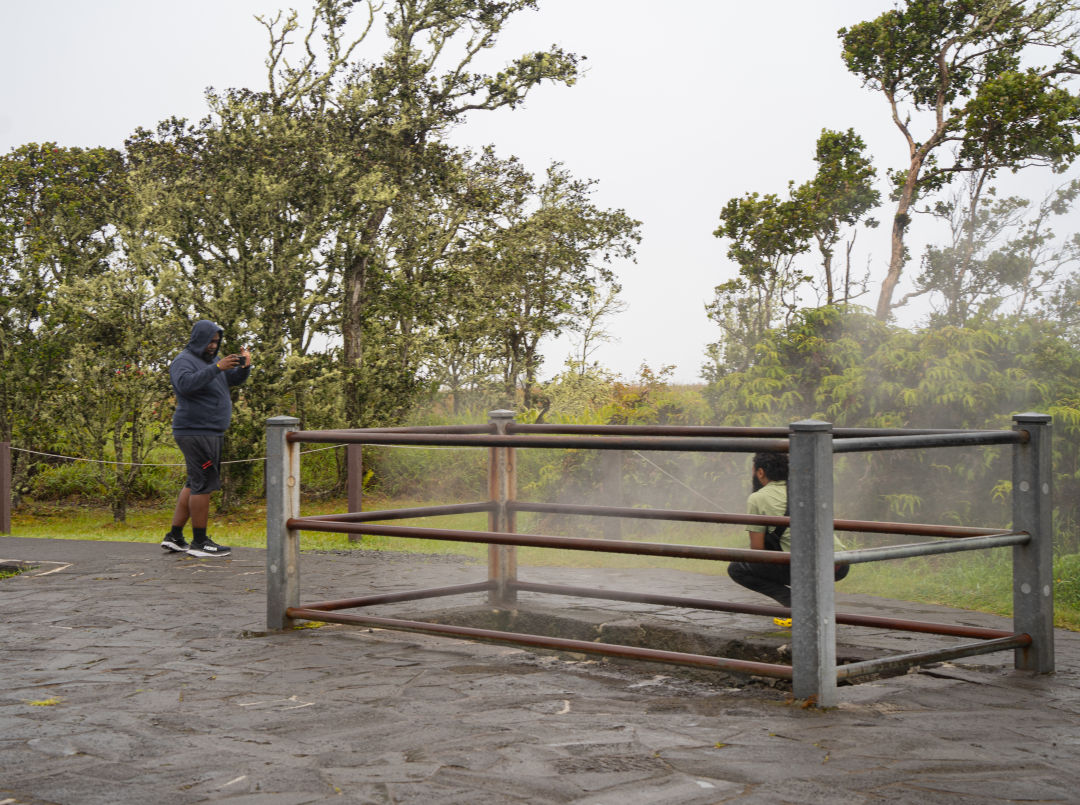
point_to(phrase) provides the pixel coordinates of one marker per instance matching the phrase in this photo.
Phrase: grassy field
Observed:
(980, 581)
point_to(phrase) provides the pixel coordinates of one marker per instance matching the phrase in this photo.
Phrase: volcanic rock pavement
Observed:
(134, 676)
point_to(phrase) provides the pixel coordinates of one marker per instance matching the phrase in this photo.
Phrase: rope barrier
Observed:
(139, 464)
(334, 447)
(680, 482)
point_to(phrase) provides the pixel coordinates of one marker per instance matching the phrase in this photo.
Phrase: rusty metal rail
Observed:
(811, 444)
(555, 643)
(661, 443)
(543, 541)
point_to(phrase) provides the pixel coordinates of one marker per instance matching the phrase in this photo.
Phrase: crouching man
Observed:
(770, 498)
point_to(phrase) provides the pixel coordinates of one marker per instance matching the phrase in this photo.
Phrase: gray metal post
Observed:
(282, 502)
(502, 487)
(1033, 563)
(813, 612)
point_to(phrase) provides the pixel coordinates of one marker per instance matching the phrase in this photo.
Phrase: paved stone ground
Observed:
(132, 676)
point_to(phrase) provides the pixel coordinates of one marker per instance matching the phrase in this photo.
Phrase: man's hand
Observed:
(228, 362)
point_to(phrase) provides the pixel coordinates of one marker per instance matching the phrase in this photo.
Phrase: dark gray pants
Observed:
(771, 580)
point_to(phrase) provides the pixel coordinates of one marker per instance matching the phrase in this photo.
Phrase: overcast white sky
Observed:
(684, 105)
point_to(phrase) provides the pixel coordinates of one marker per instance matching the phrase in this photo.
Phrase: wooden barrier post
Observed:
(5, 487)
(813, 608)
(1033, 563)
(282, 502)
(502, 488)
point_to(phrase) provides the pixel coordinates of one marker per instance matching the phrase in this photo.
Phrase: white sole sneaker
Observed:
(216, 551)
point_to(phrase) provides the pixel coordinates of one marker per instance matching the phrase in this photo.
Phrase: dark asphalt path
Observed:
(132, 676)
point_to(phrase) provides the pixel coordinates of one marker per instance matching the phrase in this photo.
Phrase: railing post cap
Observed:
(810, 425)
(282, 421)
(501, 413)
(1032, 417)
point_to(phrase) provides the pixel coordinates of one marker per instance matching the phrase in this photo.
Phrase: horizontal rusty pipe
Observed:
(924, 627)
(555, 643)
(650, 598)
(872, 621)
(848, 619)
(867, 526)
(406, 595)
(545, 541)
(685, 444)
(430, 429)
(709, 430)
(650, 430)
(643, 514)
(405, 514)
(903, 661)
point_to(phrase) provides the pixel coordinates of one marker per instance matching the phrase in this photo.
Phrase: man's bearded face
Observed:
(212, 347)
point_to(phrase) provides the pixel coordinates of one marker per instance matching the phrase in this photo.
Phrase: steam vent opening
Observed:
(640, 631)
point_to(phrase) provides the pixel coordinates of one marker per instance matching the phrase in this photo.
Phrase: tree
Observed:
(114, 403)
(232, 215)
(544, 265)
(385, 123)
(959, 66)
(848, 368)
(769, 234)
(766, 235)
(57, 227)
(1002, 255)
(602, 304)
(839, 195)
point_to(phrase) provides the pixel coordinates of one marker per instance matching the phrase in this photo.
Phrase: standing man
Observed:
(201, 382)
(770, 498)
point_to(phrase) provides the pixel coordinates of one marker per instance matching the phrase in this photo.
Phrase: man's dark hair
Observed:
(774, 464)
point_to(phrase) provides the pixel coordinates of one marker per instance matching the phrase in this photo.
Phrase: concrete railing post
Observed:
(282, 502)
(813, 613)
(502, 488)
(1033, 563)
(5, 487)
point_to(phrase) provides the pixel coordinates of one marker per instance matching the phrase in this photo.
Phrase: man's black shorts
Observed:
(202, 455)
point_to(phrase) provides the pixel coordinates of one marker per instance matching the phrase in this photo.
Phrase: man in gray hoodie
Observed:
(201, 381)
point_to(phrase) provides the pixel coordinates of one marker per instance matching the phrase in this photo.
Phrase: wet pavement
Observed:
(134, 676)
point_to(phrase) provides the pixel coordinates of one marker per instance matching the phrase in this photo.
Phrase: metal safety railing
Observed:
(810, 445)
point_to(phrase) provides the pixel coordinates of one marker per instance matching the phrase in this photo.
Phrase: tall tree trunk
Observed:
(897, 257)
(354, 284)
(826, 264)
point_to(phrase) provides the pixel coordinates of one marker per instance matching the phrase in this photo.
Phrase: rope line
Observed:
(680, 482)
(139, 464)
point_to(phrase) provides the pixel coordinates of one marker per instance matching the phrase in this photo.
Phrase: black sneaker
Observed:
(208, 548)
(174, 544)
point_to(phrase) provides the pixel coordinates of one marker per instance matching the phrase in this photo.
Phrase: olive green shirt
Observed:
(771, 500)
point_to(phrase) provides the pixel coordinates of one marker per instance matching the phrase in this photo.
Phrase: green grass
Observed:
(980, 581)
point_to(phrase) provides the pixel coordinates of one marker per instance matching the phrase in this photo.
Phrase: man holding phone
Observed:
(201, 381)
